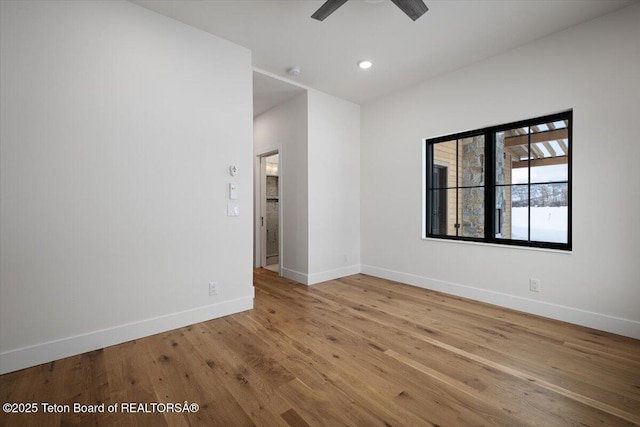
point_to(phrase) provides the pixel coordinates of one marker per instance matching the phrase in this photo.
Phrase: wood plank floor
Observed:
(358, 351)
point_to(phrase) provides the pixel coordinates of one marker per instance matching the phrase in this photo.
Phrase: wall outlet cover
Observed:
(534, 285)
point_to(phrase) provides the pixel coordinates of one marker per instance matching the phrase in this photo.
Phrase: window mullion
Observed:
(428, 186)
(489, 185)
(529, 184)
(457, 225)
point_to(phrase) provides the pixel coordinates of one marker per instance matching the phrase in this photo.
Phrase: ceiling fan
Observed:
(413, 8)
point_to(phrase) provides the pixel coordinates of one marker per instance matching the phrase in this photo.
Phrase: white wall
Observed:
(284, 128)
(593, 68)
(318, 136)
(117, 129)
(334, 187)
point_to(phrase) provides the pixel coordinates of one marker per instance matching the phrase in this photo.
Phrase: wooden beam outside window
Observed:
(551, 135)
(560, 160)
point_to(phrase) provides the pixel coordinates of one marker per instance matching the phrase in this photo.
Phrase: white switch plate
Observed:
(233, 190)
(233, 209)
(213, 289)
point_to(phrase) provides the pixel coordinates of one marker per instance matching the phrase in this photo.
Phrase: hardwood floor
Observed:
(358, 351)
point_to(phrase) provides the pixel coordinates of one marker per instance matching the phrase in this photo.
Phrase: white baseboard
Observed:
(603, 322)
(26, 357)
(325, 276)
(296, 276)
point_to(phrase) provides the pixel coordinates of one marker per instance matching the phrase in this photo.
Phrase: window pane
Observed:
(503, 161)
(471, 207)
(512, 156)
(513, 203)
(549, 195)
(472, 161)
(559, 171)
(549, 213)
(502, 223)
(443, 212)
(549, 143)
(444, 156)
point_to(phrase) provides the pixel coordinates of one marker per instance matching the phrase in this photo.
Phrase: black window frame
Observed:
(490, 186)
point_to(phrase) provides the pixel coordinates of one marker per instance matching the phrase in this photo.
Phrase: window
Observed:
(508, 184)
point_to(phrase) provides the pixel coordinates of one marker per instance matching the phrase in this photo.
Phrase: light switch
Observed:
(233, 190)
(233, 209)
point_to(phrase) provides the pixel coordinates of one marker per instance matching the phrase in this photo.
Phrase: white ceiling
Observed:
(269, 92)
(451, 35)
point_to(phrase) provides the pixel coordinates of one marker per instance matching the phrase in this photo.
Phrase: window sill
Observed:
(497, 245)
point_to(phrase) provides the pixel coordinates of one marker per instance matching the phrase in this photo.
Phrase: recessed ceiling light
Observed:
(365, 64)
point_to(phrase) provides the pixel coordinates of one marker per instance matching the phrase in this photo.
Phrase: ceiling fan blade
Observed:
(327, 9)
(413, 8)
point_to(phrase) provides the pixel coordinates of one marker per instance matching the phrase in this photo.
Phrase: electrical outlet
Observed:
(534, 285)
(213, 288)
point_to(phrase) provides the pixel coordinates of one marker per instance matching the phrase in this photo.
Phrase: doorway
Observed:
(270, 211)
